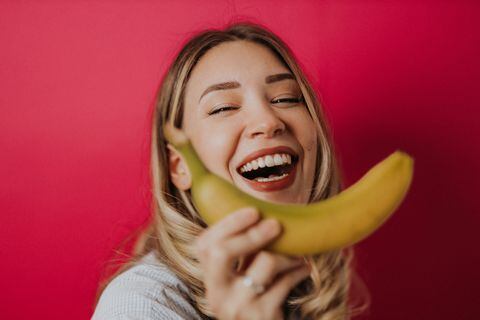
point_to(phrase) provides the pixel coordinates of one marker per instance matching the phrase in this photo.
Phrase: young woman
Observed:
(241, 98)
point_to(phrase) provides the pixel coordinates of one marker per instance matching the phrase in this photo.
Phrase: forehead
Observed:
(242, 61)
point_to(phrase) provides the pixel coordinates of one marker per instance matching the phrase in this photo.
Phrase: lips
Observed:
(273, 185)
(267, 151)
(268, 186)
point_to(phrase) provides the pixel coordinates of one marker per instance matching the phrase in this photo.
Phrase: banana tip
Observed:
(404, 154)
(406, 159)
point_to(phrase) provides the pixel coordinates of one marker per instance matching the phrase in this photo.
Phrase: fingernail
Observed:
(248, 213)
(270, 227)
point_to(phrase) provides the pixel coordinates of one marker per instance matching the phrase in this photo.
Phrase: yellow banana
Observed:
(333, 223)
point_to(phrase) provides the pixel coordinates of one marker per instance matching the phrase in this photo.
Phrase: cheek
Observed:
(215, 149)
(311, 150)
(306, 132)
(309, 144)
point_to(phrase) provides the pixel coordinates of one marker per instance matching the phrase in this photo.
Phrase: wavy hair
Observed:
(175, 224)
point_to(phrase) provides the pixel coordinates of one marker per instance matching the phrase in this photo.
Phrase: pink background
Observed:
(77, 82)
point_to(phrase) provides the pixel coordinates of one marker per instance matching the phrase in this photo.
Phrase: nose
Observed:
(264, 121)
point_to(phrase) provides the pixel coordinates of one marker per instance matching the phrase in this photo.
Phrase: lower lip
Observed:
(273, 185)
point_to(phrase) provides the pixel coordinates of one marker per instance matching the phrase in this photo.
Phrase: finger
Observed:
(232, 223)
(213, 254)
(224, 253)
(254, 239)
(266, 266)
(244, 262)
(279, 290)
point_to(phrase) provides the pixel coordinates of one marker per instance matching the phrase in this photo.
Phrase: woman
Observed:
(241, 98)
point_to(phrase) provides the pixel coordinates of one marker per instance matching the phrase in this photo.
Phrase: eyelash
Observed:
(229, 107)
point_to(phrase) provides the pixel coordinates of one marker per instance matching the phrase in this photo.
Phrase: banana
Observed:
(339, 221)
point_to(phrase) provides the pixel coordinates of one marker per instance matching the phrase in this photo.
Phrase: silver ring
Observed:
(257, 288)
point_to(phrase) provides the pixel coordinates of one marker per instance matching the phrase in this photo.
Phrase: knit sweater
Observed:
(147, 291)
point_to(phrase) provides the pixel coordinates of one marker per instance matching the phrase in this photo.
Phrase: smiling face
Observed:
(252, 131)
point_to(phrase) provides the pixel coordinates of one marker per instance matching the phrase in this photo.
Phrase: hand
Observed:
(258, 291)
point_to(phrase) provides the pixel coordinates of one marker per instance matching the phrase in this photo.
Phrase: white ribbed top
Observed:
(147, 291)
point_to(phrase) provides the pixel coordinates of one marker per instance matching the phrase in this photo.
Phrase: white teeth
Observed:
(261, 163)
(271, 178)
(267, 161)
(277, 159)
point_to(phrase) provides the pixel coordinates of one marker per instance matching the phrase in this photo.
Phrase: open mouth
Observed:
(269, 170)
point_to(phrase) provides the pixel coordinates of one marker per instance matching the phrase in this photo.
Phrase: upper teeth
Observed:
(276, 159)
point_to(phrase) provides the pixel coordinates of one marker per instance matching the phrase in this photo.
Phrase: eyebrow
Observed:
(235, 84)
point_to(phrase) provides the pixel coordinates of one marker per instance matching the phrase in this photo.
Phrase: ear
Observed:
(178, 169)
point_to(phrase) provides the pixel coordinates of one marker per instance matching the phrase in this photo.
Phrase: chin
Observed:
(285, 196)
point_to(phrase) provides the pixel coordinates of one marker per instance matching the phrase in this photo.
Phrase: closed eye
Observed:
(222, 109)
(289, 100)
(225, 108)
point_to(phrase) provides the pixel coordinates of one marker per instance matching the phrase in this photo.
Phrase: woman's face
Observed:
(243, 131)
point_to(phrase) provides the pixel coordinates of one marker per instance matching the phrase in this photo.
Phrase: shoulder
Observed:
(149, 290)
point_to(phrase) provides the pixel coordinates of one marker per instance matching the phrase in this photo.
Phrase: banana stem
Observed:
(180, 140)
(195, 165)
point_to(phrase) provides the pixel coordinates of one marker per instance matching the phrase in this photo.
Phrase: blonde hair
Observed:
(175, 224)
